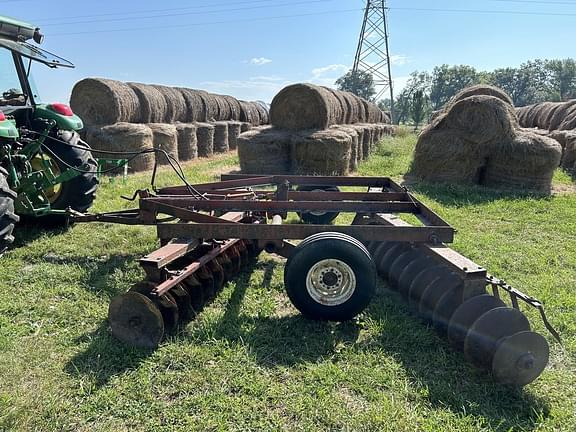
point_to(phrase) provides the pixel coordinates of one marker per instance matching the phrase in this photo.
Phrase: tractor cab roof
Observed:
(14, 36)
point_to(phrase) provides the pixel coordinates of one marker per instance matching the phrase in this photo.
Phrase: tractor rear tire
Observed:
(7, 216)
(78, 193)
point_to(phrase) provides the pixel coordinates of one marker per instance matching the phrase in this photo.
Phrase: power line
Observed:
(207, 23)
(64, 19)
(155, 16)
(481, 11)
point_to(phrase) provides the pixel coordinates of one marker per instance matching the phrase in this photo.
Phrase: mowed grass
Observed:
(250, 361)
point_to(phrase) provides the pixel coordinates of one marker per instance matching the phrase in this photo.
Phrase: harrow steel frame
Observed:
(207, 229)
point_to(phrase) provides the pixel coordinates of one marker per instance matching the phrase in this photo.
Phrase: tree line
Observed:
(531, 82)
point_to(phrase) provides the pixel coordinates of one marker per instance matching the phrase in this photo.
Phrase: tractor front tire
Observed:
(7, 216)
(78, 193)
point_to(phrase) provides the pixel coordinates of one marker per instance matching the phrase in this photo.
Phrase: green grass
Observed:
(250, 361)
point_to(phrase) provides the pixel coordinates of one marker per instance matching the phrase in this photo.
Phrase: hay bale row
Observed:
(334, 151)
(478, 140)
(548, 115)
(307, 106)
(101, 101)
(567, 139)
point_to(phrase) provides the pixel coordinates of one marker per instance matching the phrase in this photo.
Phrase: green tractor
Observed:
(45, 167)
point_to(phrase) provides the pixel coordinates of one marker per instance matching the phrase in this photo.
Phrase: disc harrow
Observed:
(209, 232)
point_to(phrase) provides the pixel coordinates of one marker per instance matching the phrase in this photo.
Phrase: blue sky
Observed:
(252, 48)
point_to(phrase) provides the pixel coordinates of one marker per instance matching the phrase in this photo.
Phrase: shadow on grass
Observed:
(105, 357)
(27, 232)
(431, 366)
(458, 195)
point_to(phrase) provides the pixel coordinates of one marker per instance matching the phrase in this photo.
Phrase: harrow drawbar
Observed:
(209, 232)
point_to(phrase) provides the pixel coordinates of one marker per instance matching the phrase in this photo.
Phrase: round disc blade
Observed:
(445, 308)
(383, 264)
(399, 264)
(208, 284)
(520, 359)
(434, 292)
(226, 264)
(410, 272)
(422, 281)
(234, 256)
(196, 292)
(143, 287)
(185, 309)
(169, 310)
(218, 274)
(465, 315)
(483, 337)
(135, 320)
(379, 250)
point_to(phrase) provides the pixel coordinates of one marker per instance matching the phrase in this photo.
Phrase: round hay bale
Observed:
(153, 105)
(264, 110)
(360, 150)
(481, 118)
(235, 107)
(527, 162)
(372, 112)
(448, 156)
(245, 127)
(176, 108)
(352, 114)
(368, 138)
(569, 122)
(195, 109)
(166, 139)
(341, 106)
(205, 139)
(532, 115)
(361, 109)
(265, 151)
(211, 106)
(248, 113)
(123, 137)
(100, 101)
(220, 137)
(546, 111)
(187, 141)
(234, 131)
(521, 113)
(304, 106)
(224, 108)
(355, 141)
(567, 140)
(324, 152)
(481, 89)
(561, 113)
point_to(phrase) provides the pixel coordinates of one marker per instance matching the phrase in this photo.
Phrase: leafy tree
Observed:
(360, 83)
(449, 80)
(419, 100)
(562, 77)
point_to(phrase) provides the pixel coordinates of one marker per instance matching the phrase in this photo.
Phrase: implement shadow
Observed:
(286, 340)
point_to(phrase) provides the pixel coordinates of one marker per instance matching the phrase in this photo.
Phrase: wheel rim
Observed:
(37, 163)
(317, 213)
(331, 282)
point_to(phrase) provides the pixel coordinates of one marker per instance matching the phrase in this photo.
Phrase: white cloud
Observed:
(399, 84)
(259, 61)
(333, 69)
(255, 88)
(399, 60)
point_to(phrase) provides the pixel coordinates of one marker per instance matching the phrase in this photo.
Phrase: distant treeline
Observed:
(532, 82)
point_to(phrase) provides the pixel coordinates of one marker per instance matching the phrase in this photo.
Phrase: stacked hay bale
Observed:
(315, 131)
(477, 139)
(103, 102)
(165, 139)
(129, 137)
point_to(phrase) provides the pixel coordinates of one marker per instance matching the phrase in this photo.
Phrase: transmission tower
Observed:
(373, 53)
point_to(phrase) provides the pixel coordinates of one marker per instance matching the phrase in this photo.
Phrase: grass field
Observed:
(250, 362)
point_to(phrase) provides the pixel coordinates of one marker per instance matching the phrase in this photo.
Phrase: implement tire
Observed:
(7, 216)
